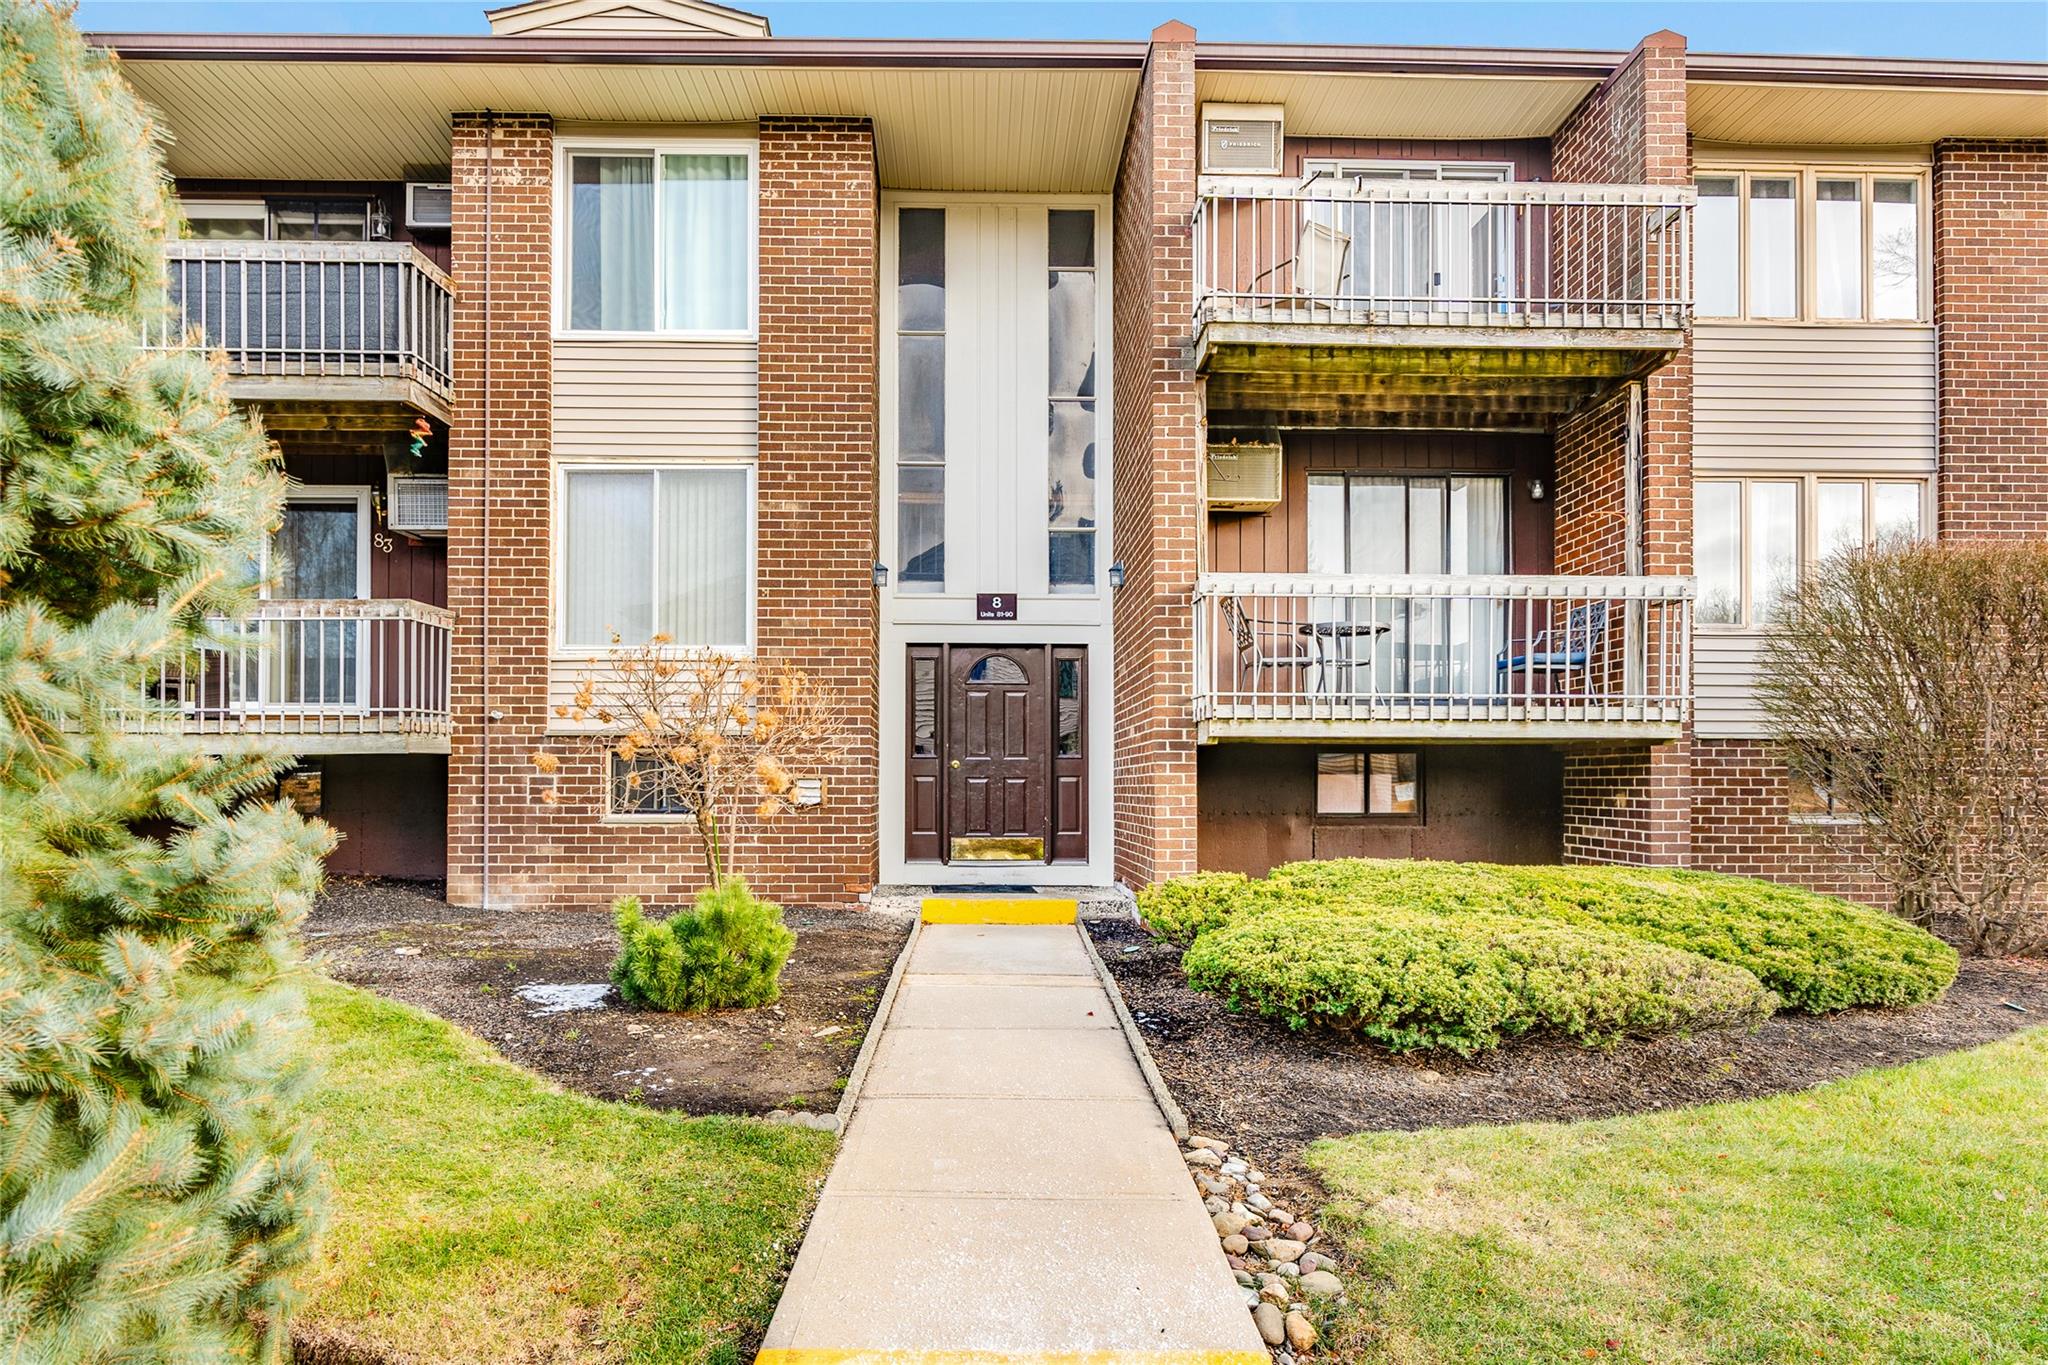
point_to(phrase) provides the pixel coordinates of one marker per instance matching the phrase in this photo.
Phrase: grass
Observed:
(483, 1214)
(1893, 1216)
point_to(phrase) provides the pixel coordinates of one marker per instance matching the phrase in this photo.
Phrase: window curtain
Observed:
(608, 540)
(611, 243)
(702, 594)
(704, 242)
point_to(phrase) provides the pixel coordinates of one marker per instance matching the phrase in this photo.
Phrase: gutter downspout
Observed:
(484, 604)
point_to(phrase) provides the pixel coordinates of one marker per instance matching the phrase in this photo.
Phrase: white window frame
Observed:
(266, 666)
(568, 147)
(1807, 522)
(1806, 237)
(245, 210)
(559, 558)
(328, 492)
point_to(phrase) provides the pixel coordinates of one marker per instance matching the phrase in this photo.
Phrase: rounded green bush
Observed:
(1818, 953)
(1412, 979)
(725, 952)
(1180, 909)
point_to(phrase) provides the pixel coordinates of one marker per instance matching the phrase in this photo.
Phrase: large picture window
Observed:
(659, 239)
(1753, 536)
(1815, 244)
(656, 550)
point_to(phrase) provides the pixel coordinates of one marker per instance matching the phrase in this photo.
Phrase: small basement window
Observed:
(641, 788)
(1384, 783)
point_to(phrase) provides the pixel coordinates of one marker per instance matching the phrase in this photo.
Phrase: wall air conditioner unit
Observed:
(429, 205)
(417, 504)
(1243, 139)
(1244, 476)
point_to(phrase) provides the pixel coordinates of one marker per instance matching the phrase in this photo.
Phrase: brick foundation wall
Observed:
(1740, 824)
(1991, 315)
(1628, 805)
(815, 608)
(1158, 425)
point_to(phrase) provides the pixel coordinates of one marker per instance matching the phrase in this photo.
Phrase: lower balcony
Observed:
(319, 676)
(1498, 658)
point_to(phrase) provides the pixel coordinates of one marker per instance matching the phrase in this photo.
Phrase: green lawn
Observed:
(1900, 1215)
(483, 1215)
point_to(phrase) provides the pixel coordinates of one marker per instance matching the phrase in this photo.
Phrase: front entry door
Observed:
(996, 768)
(998, 745)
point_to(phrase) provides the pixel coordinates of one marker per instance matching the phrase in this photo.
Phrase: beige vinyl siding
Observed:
(1846, 400)
(1804, 399)
(652, 399)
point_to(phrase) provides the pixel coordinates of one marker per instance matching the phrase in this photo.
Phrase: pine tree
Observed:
(157, 1190)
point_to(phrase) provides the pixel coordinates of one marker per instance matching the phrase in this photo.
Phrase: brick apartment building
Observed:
(1423, 435)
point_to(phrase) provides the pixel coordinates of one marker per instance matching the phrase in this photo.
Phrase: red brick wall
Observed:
(816, 605)
(1991, 312)
(1740, 824)
(1628, 805)
(1158, 518)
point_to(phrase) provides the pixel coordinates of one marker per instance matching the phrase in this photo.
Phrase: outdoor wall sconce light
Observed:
(1116, 575)
(881, 574)
(1536, 490)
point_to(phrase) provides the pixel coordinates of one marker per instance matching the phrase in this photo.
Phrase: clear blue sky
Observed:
(1991, 29)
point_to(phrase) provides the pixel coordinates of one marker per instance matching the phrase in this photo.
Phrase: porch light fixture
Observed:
(881, 574)
(380, 221)
(1536, 490)
(1116, 575)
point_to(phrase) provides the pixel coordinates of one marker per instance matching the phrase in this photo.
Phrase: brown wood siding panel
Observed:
(1276, 541)
(414, 567)
(1529, 156)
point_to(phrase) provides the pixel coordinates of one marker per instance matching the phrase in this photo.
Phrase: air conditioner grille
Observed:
(1245, 476)
(1242, 139)
(419, 504)
(429, 206)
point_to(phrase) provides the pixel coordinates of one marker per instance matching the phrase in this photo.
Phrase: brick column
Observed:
(498, 445)
(1158, 429)
(818, 431)
(1629, 805)
(1991, 317)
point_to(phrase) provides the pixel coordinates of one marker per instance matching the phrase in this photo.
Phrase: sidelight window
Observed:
(921, 399)
(1070, 421)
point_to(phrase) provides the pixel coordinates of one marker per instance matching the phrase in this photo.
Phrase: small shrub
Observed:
(726, 952)
(1411, 979)
(1185, 907)
(1818, 953)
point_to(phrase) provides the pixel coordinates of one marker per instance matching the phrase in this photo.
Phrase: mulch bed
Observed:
(402, 940)
(1254, 1083)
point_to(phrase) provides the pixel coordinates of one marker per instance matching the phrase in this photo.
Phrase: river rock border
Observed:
(1288, 1285)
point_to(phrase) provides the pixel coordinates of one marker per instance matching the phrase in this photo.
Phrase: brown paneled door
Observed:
(996, 762)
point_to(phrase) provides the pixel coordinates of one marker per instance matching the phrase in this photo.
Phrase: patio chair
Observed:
(1314, 274)
(1556, 651)
(1279, 647)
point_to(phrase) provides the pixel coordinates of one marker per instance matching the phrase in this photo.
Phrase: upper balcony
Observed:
(1344, 301)
(350, 322)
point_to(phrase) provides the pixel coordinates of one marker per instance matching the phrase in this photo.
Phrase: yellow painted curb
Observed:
(999, 910)
(813, 1356)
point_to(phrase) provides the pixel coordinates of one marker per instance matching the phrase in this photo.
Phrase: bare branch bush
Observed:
(1914, 677)
(733, 740)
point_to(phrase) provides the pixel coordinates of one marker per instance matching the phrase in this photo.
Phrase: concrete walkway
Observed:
(1008, 1189)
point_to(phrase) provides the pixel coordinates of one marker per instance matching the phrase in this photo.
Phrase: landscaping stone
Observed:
(1228, 1223)
(1244, 1277)
(1301, 1333)
(1204, 1158)
(1231, 1167)
(1253, 1232)
(1300, 1231)
(1236, 1263)
(1280, 1249)
(1275, 1294)
(1215, 1205)
(1235, 1244)
(1314, 1260)
(1209, 1144)
(1321, 1284)
(1272, 1326)
(1289, 1269)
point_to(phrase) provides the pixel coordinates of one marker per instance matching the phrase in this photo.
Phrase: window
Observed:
(1831, 245)
(660, 240)
(281, 220)
(1813, 796)
(921, 399)
(657, 551)
(1751, 536)
(641, 788)
(220, 220)
(1070, 423)
(1369, 784)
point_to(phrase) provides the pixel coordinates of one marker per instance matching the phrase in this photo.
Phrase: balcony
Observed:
(1496, 658)
(320, 677)
(1398, 303)
(350, 322)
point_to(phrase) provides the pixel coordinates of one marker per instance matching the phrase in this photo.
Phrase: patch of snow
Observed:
(554, 999)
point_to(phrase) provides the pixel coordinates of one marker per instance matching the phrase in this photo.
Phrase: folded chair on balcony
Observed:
(1556, 651)
(1314, 274)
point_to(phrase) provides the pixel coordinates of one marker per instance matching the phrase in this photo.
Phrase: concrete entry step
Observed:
(999, 909)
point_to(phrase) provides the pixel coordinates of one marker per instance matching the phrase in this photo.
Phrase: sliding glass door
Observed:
(1455, 255)
(1388, 525)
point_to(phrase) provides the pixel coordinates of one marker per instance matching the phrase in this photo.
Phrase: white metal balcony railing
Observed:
(1447, 254)
(312, 668)
(1295, 653)
(330, 310)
